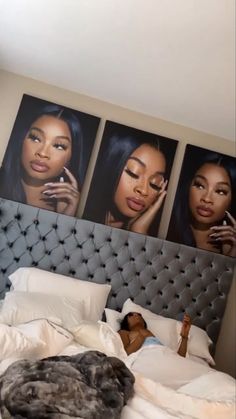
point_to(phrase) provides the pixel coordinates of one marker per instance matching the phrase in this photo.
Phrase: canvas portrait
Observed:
(47, 155)
(130, 179)
(204, 210)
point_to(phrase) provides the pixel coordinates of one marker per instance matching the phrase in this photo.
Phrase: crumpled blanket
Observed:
(88, 385)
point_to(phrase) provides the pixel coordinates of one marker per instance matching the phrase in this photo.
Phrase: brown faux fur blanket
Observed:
(89, 385)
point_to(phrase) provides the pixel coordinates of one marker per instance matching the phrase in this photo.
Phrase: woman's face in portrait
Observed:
(46, 148)
(140, 181)
(210, 194)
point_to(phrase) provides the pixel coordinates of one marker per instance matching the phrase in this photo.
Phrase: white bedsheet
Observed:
(165, 366)
(153, 401)
(200, 393)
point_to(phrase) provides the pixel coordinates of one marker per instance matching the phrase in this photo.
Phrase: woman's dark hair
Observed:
(124, 324)
(179, 227)
(11, 170)
(111, 161)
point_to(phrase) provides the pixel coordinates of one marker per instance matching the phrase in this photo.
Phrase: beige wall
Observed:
(12, 87)
(225, 356)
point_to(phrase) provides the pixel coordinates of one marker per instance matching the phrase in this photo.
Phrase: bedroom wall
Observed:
(12, 88)
(226, 346)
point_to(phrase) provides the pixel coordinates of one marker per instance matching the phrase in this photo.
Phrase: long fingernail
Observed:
(48, 184)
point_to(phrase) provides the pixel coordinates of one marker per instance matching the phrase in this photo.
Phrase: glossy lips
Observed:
(135, 204)
(39, 166)
(205, 211)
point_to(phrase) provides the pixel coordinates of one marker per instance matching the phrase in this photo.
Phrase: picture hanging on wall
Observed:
(130, 179)
(204, 210)
(47, 155)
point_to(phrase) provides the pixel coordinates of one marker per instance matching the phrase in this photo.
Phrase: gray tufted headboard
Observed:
(162, 276)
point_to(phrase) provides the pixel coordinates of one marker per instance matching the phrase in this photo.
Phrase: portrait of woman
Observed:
(130, 179)
(47, 156)
(204, 211)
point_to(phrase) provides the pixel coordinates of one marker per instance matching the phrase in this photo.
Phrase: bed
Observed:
(134, 272)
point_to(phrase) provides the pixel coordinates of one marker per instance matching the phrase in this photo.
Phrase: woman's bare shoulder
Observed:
(123, 332)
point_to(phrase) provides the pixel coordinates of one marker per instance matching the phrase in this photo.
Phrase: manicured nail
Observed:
(48, 184)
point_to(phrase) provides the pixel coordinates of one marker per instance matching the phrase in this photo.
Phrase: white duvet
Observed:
(165, 366)
(176, 387)
(168, 385)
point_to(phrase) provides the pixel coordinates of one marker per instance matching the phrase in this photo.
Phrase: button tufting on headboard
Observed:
(165, 277)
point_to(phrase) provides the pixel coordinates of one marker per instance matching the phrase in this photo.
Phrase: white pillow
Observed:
(14, 344)
(20, 307)
(37, 280)
(37, 339)
(99, 336)
(162, 327)
(114, 318)
(198, 343)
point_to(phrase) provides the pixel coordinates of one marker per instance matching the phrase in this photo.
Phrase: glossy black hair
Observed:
(11, 170)
(124, 324)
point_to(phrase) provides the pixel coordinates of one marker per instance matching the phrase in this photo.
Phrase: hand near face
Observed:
(142, 223)
(66, 194)
(186, 324)
(226, 235)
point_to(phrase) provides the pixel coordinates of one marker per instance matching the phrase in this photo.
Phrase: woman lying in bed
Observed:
(134, 333)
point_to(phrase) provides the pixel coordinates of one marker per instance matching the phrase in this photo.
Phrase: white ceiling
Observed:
(172, 59)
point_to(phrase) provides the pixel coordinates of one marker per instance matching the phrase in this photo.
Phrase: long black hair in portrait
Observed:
(30, 110)
(118, 143)
(179, 227)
